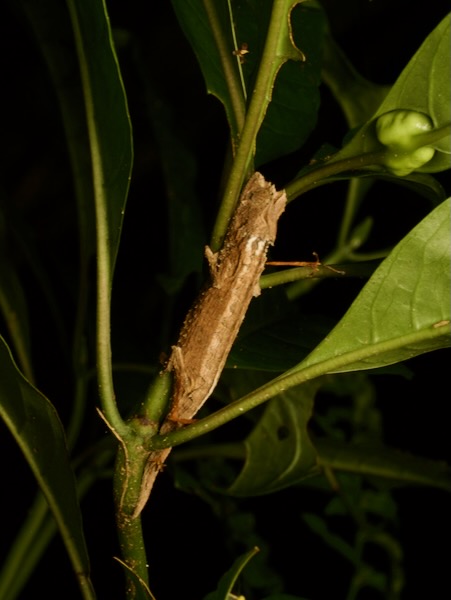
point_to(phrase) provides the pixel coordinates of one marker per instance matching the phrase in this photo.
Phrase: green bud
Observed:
(397, 131)
(403, 164)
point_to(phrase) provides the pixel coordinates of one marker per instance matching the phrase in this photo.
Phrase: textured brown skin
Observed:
(212, 324)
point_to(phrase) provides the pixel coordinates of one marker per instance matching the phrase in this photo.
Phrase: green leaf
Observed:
(279, 452)
(423, 86)
(107, 117)
(247, 93)
(228, 580)
(291, 115)
(13, 304)
(278, 346)
(110, 144)
(211, 29)
(379, 461)
(208, 29)
(296, 66)
(274, 336)
(403, 310)
(366, 576)
(319, 526)
(422, 183)
(35, 425)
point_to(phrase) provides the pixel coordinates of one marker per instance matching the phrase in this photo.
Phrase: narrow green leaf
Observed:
(37, 529)
(403, 310)
(386, 463)
(228, 580)
(35, 425)
(107, 117)
(207, 26)
(110, 141)
(279, 452)
(13, 304)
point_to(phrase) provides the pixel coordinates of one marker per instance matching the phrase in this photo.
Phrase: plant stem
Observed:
(319, 175)
(156, 403)
(291, 378)
(229, 70)
(302, 273)
(430, 137)
(28, 547)
(270, 64)
(128, 478)
(236, 51)
(104, 259)
(357, 189)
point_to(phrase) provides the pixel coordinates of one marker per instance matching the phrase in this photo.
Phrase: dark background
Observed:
(379, 37)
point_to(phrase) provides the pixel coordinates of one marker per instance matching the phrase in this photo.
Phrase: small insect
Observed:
(241, 52)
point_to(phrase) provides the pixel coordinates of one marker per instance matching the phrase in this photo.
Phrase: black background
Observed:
(186, 552)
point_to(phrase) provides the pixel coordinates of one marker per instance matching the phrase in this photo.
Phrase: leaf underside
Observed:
(38, 432)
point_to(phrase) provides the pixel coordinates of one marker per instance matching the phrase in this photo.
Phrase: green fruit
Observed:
(403, 164)
(397, 131)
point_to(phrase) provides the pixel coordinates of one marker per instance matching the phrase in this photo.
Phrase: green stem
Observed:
(294, 377)
(104, 263)
(357, 189)
(319, 175)
(39, 527)
(16, 329)
(129, 474)
(363, 269)
(236, 49)
(28, 547)
(261, 96)
(228, 67)
(156, 403)
(429, 138)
